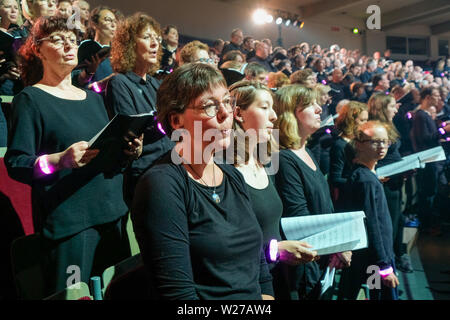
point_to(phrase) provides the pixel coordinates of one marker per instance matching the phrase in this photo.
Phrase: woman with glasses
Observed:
(301, 185)
(253, 146)
(364, 191)
(199, 238)
(77, 205)
(102, 26)
(383, 108)
(135, 57)
(195, 51)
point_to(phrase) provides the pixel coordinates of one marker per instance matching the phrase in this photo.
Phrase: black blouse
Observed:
(70, 200)
(193, 247)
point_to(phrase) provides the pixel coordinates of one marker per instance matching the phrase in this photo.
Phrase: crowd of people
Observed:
(206, 223)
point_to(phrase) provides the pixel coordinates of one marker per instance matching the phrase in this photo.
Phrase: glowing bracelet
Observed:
(441, 131)
(46, 168)
(384, 273)
(273, 251)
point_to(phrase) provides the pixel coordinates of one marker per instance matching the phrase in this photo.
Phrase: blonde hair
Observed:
(378, 111)
(286, 101)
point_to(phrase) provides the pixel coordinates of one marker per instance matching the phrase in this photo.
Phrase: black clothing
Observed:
(265, 63)
(130, 94)
(72, 208)
(319, 144)
(337, 94)
(364, 191)
(367, 76)
(393, 192)
(341, 159)
(303, 191)
(193, 247)
(268, 208)
(69, 200)
(229, 47)
(424, 132)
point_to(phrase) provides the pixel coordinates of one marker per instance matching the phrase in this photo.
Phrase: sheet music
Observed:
(327, 280)
(413, 161)
(328, 233)
(328, 121)
(100, 132)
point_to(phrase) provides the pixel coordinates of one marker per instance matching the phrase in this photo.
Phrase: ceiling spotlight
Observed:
(279, 20)
(269, 18)
(288, 22)
(302, 24)
(259, 16)
(295, 23)
(355, 31)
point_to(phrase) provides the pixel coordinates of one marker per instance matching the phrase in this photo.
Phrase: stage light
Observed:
(259, 16)
(294, 24)
(302, 24)
(288, 22)
(279, 20)
(269, 18)
(355, 31)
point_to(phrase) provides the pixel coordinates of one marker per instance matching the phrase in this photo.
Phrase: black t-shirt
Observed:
(268, 208)
(69, 200)
(196, 248)
(365, 192)
(424, 132)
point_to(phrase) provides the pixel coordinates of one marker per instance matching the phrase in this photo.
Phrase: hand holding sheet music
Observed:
(328, 233)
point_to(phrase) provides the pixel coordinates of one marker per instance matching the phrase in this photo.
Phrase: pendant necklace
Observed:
(214, 196)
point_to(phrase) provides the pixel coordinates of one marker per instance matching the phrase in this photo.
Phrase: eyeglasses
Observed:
(206, 60)
(379, 143)
(212, 108)
(152, 36)
(59, 40)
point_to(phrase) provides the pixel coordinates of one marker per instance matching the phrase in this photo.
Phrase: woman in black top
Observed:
(76, 205)
(135, 56)
(350, 117)
(365, 192)
(300, 183)
(103, 23)
(199, 237)
(169, 48)
(254, 121)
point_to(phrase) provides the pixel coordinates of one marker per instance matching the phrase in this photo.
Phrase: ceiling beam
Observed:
(440, 28)
(414, 13)
(326, 6)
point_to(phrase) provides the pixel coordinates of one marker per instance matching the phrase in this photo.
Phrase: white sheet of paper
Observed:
(413, 161)
(328, 233)
(327, 280)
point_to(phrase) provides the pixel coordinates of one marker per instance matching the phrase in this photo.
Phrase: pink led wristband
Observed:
(44, 166)
(386, 272)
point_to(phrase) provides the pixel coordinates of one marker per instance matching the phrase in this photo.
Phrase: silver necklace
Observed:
(214, 196)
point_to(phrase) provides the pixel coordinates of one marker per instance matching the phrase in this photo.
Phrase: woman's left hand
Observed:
(134, 146)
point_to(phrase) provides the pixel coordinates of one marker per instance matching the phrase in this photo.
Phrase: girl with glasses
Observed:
(364, 191)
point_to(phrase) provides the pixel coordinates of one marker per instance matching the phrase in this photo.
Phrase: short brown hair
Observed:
(189, 50)
(123, 48)
(180, 89)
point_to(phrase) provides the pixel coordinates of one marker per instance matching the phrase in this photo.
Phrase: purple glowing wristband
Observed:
(386, 272)
(273, 251)
(44, 166)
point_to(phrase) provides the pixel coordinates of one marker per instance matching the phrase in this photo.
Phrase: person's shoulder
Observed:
(164, 172)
